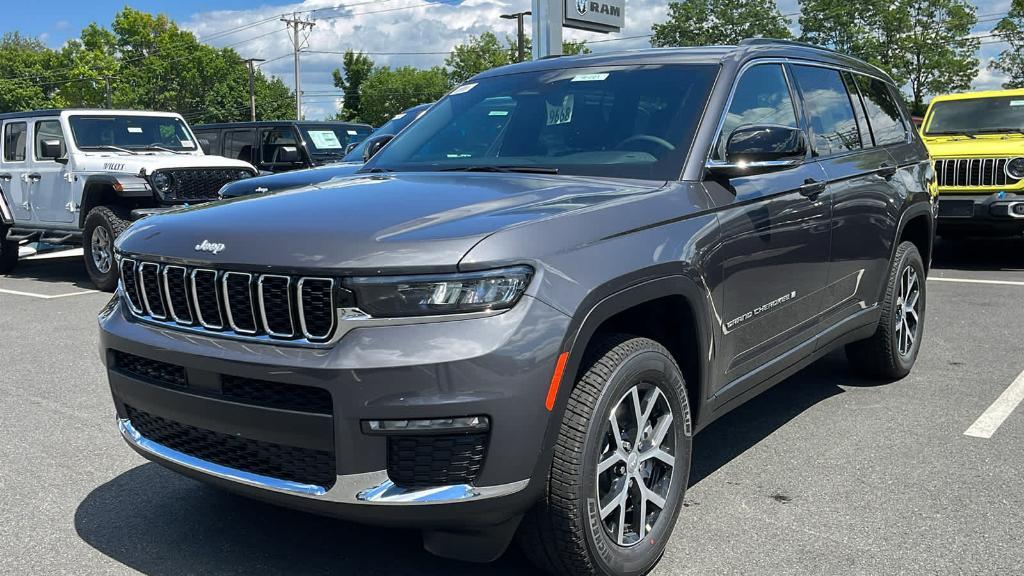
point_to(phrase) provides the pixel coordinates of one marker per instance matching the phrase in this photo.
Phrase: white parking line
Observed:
(990, 421)
(974, 281)
(45, 296)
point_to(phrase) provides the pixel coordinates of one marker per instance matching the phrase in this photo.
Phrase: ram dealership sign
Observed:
(595, 15)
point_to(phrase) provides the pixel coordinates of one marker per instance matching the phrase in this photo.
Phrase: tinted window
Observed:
(14, 141)
(210, 141)
(271, 141)
(393, 126)
(883, 112)
(761, 97)
(620, 121)
(828, 109)
(48, 130)
(858, 110)
(238, 144)
(978, 116)
(131, 132)
(330, 140)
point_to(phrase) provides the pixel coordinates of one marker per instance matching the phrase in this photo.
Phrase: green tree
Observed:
(940, 51)
(28, 70)
(356, 68)
(1011, 60)
(388, 91)
(709, 22)
(868, 30)
(480, 53)
(569, 48)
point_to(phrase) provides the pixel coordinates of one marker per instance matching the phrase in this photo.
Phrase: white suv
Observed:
(81, 176)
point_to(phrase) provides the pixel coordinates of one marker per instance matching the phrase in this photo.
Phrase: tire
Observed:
(566, 532)
(8, 252)
(886, 355)
(103, 225)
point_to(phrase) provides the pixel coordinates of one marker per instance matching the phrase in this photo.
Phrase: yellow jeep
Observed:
(977, 142)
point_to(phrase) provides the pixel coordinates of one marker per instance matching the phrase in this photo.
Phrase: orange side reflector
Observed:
(556, 380)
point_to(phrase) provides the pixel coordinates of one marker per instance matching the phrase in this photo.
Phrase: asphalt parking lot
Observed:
(823, 474)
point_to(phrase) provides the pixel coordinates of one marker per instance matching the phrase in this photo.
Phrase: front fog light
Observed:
(1015, 168)
(404, 296)
(461, 424)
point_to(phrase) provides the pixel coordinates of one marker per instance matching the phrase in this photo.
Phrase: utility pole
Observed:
(297, 25)
(252, 85)
(521, 46)
(106, 80)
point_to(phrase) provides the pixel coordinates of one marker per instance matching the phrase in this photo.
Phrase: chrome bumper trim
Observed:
(349, 489)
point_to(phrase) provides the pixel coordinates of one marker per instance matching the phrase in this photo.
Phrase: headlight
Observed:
(1015, 168)
(398, 296)
(162, 181)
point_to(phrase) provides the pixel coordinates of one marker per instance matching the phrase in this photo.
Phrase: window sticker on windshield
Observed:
(463, 89)
(325, 139)
(186, 143)
(134, 130)
(1016, 102)
(560, 114)
(498, 113)
(590, 77)
(351, 132)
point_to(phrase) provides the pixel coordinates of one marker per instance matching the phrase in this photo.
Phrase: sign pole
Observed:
(547, 28)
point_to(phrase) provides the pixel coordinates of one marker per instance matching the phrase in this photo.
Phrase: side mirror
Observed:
(51, 149)
(351, 147)
(752, 149)
(374, 144)
(287, 155)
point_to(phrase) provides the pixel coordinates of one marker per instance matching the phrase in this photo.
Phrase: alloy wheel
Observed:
(634, 469)
(907, 318)
(102, 255)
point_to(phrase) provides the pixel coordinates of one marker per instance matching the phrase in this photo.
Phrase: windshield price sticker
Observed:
(1016, 102)
(463, 89)
(134, 130)
(325, 139)
(560, 114)
(351, 132)
(590, 77)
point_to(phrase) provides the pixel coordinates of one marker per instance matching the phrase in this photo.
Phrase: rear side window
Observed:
(883, 112)
(828, 109)
(48, 130)
(238, 144)
(762, 97)
(15, 135)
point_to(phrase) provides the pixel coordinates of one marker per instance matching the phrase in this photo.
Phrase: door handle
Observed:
(35, 177)
(5, 177)
(811, 189)
(887, 171)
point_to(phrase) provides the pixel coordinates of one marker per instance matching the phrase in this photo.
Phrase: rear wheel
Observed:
(621, 465)
(8, 252)
(890, 353)
(102, 226)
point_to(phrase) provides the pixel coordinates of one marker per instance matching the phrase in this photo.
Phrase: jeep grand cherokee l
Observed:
(520, 328)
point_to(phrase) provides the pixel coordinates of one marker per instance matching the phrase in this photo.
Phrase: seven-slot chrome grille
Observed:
(295, 308)
(973, 173)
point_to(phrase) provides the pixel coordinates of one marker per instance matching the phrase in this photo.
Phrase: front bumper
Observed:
(498, 366)
(997, 214)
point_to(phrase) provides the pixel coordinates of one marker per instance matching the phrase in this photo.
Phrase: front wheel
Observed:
(102, 226)
(890, 353)
(621, 465)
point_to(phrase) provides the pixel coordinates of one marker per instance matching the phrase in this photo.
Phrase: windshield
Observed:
(131, 132)
(977, 116)
(620, 121)
(393, 126)
(332, 139)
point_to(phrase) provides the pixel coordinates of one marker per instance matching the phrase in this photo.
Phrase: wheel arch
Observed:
(109, 189)
(918, 229)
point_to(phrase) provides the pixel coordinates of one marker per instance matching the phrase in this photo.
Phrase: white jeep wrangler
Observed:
(79, 177)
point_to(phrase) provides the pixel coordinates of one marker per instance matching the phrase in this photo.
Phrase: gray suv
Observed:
(516, 328)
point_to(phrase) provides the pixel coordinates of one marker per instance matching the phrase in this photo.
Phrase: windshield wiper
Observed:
(952, 133)
(521, 169)
(1001, 131)
(162, 149)
(109, 147)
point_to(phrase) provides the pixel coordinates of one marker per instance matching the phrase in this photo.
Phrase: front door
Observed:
(14, 170)
(774, 247)
(49, 180)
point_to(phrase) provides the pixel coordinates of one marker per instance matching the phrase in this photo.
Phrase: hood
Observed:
(286, 180)
(417, 222)
(986, 146)
(133, 164)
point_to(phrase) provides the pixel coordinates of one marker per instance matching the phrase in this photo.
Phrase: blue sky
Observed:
(427, 27)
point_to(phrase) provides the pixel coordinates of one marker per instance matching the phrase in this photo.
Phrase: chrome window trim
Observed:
(124, 290)
(216, 296)
(288, 302)
(140, 280)
(302, 313)
(227, 301)
(167, 290)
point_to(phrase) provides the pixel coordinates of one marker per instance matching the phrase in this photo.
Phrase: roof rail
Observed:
(780, 42)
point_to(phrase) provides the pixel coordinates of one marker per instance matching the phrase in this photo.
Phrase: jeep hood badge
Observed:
(211, 247)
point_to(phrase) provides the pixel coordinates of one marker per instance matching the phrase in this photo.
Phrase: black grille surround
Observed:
(196, 184)
(424, 461)
(297, 309)
(304, 465)
(973, 173)
(154, 371)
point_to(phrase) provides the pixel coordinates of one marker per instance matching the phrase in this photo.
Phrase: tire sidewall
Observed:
(104, 281)
(655, 368)
(910, 257)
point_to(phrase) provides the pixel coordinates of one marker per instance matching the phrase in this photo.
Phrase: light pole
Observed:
(518, 16)
(252, 85)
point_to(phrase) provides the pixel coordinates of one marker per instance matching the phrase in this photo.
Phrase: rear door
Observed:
(240, 144)
(775, 242)
(50, 181)
(14, 169)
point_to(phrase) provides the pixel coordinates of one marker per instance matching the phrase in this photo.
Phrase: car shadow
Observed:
(979, 254)
(54, 270)
(160, 523)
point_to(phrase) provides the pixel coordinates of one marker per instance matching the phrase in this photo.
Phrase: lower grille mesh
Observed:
(264, 458)
(425, 461)
(150, 370)
(276, 395)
